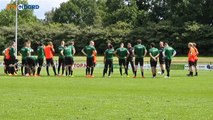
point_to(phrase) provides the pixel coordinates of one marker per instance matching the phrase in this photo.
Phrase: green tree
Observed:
(79, 12)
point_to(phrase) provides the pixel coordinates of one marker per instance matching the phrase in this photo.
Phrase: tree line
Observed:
(174, 21)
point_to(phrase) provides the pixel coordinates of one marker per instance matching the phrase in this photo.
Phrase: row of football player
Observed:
(125, 56)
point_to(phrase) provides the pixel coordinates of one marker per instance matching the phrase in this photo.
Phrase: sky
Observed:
(44, 6)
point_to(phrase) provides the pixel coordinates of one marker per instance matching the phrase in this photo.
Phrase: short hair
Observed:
(50, 43)
(139, 41)
(152, 44)
(40, 43)
(190, 44)
(110, 46)
(71, 43)
(11, 43)
(122, 43)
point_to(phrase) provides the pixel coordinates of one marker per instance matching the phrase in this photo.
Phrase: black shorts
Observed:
(122, 62)
(49, 61)
(191, 63)
(90, 62)
(69, 61)
(139, 60)
(61, 60)
(30, 62)
(108, 63)
(40, 61)
(12, 60)
(195, 63)
(161, 60)
(6, 62)
(23, 62)
(153, 63)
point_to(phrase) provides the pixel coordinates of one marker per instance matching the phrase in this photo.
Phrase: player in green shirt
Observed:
(68, 53)
(12, 59)
(23, 52)
(89, 52)
(154, 54)
(40, 58)
(108, 60)
(168, 53)
(122, 53)
(161, 58)
(61, 58)
(139, 52)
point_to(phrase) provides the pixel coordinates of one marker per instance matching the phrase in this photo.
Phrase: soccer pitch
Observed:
(115, 98)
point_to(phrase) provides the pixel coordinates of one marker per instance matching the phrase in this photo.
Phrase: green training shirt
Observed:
(109, 54)
(169, 51)
(122, 53)
(139, 50)
(40, 52)
(60, 48)
(12, 52)
(154, 52)
(24, 52)
(89, 51)
(68, 52)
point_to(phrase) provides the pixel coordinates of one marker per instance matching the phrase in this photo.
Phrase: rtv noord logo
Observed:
(22, 6)
(25, 6)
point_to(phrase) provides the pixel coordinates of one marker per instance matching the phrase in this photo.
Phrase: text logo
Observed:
(22, 7)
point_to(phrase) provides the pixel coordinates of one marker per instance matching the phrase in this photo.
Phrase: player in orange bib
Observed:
(49, 51)
(6, 53)
(191, 58)
(196, 58)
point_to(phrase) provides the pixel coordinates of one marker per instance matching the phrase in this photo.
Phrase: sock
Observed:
(142, 73)
(59, 69)
(126, 71)
(71, 72)
(66, 71)
(88, 71)
(22, 72)
(47, 68)
(104, 71)
(62, 70)
(168, 73)
(109, 73)
(162, 71)
(39, 70)
(121, 71)
(135, 73)
(69, 68)
(54, 70)
(92, 69)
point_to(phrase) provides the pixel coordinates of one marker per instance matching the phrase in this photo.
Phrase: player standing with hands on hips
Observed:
(89, 51)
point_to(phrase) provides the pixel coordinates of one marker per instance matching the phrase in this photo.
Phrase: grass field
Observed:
(116, 98)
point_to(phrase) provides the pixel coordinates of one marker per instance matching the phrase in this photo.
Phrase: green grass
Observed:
(116, 98)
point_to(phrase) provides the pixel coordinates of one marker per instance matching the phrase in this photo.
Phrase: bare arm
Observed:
(174, 53)
(74, 51)
(83, 52)
(145, 53)
(127, 54)
(62, 52)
